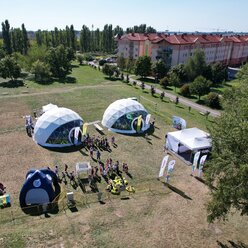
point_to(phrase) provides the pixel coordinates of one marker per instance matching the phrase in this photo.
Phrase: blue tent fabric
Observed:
(38, 187)
(45, 171)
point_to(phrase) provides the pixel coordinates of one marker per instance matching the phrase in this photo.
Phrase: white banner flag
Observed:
(148, 117)
(171, 166)
(76, 133)
(163, 165)
(196, 158)
(202, 161)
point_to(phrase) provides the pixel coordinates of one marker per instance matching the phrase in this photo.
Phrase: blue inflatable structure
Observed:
(39, 188)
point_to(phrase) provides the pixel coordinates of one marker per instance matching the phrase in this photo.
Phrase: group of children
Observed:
(98, 143)
(65, 175)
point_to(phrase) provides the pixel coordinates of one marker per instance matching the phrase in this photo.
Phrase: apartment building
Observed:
(176, 49)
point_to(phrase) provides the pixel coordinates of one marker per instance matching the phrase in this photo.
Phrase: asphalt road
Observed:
(182, 100)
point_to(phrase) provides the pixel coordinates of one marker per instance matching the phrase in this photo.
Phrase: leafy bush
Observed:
(213, 100)
(184, 90)
(80, 58)
(164, 82)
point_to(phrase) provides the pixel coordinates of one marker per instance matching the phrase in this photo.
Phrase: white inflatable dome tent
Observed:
(57, 128)
(122, 115)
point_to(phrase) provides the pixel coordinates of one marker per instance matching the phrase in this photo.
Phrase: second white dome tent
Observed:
(56, 128)
(126, 116)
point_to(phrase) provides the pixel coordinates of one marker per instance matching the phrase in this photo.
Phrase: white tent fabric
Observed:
(50, 121)
(119, 108)
(47, 107)
(192, 139)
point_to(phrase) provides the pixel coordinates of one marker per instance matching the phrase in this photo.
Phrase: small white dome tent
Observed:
(122, 115)
(55, 128)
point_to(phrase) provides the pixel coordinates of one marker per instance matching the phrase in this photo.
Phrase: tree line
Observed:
(88, 40)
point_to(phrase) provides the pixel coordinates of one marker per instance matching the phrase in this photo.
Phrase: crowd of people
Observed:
(98, 143)
(108, 170)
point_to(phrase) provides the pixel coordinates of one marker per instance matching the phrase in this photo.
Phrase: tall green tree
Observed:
(85, 39)
(174, 80)
(196, 65)
(179, 70)
(130, 64)
(9, 68)
(243, 73)
(25, 40)
(73, 40)
(110, 70)
(159, 69)
(143, 66)
(16, 40)
(218, 73)
(2, 53)
(41, 71)
(39, 37)
(6, 37)
(200, 86)
(227, 171)
(59, 60)
(35, 53)
(121, 62)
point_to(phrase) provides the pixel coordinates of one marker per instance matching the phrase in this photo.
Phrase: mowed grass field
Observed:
(155, 216)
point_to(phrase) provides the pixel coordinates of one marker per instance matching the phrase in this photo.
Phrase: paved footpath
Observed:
(182, 100)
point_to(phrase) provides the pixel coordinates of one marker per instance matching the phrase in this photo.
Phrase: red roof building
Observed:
(177, 48)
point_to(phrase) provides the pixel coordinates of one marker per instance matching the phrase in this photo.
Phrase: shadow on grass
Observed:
(72, 148)
(189, 97)
(129, 175)
(155, 136)
(155, 96)
(125, 198)
(68, 80)
(178, 191)
(83, 153)
(204, 182)
(111, 78)
(100, 131)
(73, 209)
(12, 84)
(75, 66)
(201, 102)
(228, 85)
(178, 106)
(236, 244)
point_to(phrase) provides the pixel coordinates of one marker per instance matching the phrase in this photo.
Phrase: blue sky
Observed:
(175, 15)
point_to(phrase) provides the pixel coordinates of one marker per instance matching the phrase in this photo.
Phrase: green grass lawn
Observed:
(138, 221)
(80, 76)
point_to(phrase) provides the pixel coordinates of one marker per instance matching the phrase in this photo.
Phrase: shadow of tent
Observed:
(73, 148)
(178, 191)
(36, 210)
